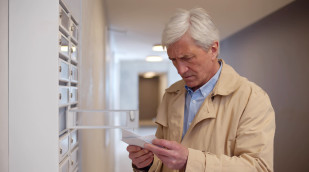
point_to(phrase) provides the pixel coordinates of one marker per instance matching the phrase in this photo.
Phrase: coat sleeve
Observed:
(253, 150)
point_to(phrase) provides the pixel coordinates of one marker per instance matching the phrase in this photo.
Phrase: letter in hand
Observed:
(171, 153)
(140, 157)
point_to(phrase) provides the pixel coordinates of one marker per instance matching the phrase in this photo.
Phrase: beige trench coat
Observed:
(233, 130)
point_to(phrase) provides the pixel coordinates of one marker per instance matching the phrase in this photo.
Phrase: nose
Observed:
(181, 68)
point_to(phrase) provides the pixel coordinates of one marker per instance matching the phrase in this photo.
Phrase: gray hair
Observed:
(196, 22)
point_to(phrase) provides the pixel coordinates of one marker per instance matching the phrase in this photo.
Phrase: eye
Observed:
(187, 58)
(172, 59)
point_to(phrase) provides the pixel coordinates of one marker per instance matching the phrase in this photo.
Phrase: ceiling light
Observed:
(154, 58)
(149, 75)
(158, 48)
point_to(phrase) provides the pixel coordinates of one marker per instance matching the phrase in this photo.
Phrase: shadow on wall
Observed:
(274, 54)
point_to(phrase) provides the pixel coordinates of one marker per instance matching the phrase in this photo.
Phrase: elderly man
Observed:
(213, 119)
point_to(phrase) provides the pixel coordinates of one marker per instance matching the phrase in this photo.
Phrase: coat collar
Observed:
(228, 82)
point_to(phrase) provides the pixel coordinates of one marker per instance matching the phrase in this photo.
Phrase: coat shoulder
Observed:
(177, 86)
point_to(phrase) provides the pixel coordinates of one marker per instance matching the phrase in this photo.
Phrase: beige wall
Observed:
(4, 153)
(97, 153)
(274, 53)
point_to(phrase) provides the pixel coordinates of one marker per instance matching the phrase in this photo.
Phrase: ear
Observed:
(214, 50)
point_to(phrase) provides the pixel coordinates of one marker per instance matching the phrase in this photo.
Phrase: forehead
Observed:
(182, 47)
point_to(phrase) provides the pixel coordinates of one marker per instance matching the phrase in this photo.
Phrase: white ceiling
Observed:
(136, 25)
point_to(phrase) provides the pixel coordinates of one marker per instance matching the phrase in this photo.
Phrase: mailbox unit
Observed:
(68, 61)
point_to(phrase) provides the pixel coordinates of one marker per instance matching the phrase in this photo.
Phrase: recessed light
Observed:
(158, 48)
(154, 58)
(149, 75)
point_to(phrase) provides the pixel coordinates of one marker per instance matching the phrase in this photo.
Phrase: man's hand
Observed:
(140, 157)
(171, 153)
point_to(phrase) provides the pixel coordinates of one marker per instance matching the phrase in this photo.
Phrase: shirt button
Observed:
(193, 101)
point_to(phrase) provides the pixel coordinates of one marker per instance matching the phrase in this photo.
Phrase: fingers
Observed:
(172, 154)
(146, 162)
(132, 148)
(141, 160)
(139, 156)
(156, 149)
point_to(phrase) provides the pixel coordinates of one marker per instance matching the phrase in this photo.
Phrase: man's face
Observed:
(194, 64)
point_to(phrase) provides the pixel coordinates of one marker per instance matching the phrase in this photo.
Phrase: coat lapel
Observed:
(206, 111)
(177, 116)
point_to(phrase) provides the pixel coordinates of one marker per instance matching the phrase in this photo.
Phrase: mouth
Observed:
(187, 77)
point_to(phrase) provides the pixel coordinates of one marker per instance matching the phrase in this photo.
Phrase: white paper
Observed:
(134, 139)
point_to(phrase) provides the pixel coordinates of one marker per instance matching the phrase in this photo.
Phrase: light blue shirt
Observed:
(194, 100)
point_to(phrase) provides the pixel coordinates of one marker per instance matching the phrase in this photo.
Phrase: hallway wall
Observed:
(274, 54)
(4, 147)
(97, 153)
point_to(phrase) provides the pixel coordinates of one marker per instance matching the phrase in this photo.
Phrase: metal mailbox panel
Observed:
(73, 139)
(62, 119)
(64, 18)
(63, 146)
(64, 72)
(74, 52)
(74, 30)
(64, 166)
(73, 95)
(73, 160)
(74, 74)
(63, 45)
(63, 95)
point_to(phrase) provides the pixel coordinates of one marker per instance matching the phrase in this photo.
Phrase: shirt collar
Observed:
(209, 86)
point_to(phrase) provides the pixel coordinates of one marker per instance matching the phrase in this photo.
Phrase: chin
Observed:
(191, 85)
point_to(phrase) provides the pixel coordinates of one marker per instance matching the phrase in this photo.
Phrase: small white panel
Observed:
(63, 95)
(85, 119)
(63, 146)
